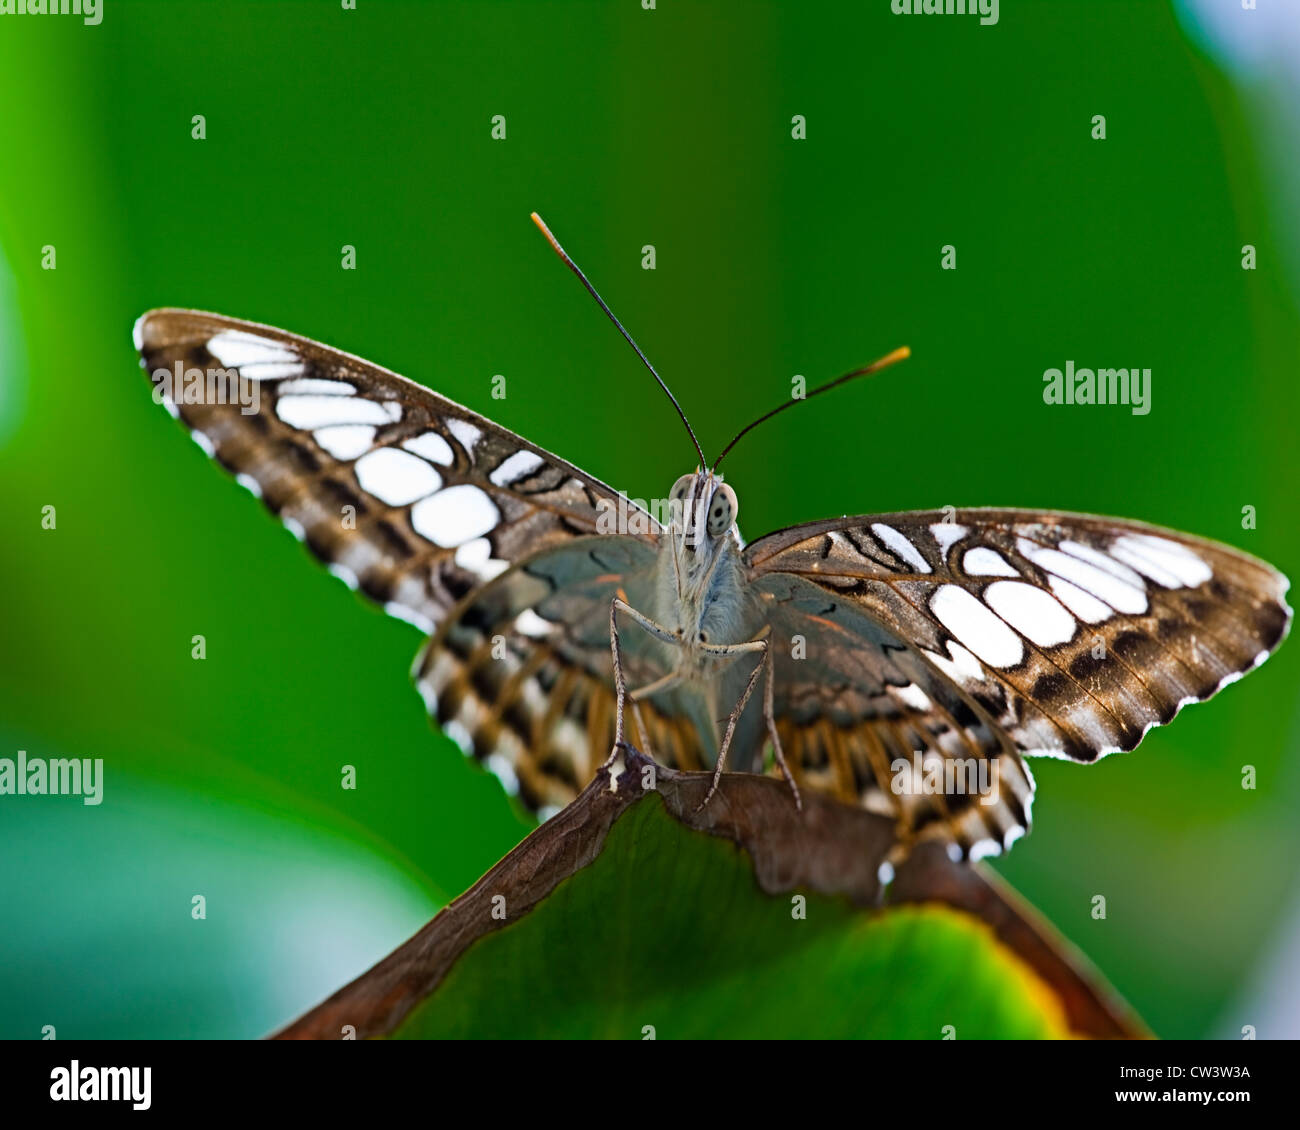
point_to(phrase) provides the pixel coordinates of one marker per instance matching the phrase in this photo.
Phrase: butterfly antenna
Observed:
(900, 354)
(555, 244)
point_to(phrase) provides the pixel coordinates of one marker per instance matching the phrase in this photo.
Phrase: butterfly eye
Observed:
(677, 498)
(722, 511)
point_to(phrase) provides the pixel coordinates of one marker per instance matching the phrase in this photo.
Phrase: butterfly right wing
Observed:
(983, 634)
(408, 496)
(863, 717)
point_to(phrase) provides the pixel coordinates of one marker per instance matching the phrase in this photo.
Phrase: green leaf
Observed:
(631, 915)
(668, 928)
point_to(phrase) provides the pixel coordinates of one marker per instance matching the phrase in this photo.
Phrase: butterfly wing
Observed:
(520, 672)
(410, 497)
(986, 634)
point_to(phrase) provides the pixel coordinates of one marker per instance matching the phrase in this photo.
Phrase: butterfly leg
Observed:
(769, 716)
(617, 605)
(723, 651)
(640, 725)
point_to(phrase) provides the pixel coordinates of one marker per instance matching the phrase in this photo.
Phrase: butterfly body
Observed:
(873, 655)
(699, 575)
(725, 615)
(711, 622)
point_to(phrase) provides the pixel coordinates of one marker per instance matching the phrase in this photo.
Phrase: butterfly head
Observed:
(703, 509)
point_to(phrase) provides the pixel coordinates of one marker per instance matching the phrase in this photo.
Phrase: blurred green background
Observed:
(775, 256)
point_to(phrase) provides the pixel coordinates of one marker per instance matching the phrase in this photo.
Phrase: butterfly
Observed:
(907, 663)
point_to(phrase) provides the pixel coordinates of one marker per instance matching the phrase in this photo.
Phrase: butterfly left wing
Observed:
(408, 496)
(521, 676)
(986, 634)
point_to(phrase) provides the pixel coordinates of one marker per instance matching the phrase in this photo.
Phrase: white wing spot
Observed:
(1110, 582)
(459, 733)
(396, 477)
(467, 435)
(1166, 562)
(976, 627)
(517, 466)
(901, 546)
(344, 574)
(269, 370)
(346, 441)
(959, 664)
(312, 412)
(1144, 565)
(1084, 605)
(913, 696)
(476, 556)
(504, 772)
(1031, 611)
(411, 616)
(315, 386)
(454, 516)
(531, 624)
(239, 350)
(249, 483)
(984, 562)
(432, 447)
(945, 533)
(1102, 561)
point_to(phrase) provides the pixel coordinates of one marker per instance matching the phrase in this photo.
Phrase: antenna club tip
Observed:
(555, 243)
(902, 353)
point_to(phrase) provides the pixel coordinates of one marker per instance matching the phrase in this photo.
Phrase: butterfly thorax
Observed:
(711, 606)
